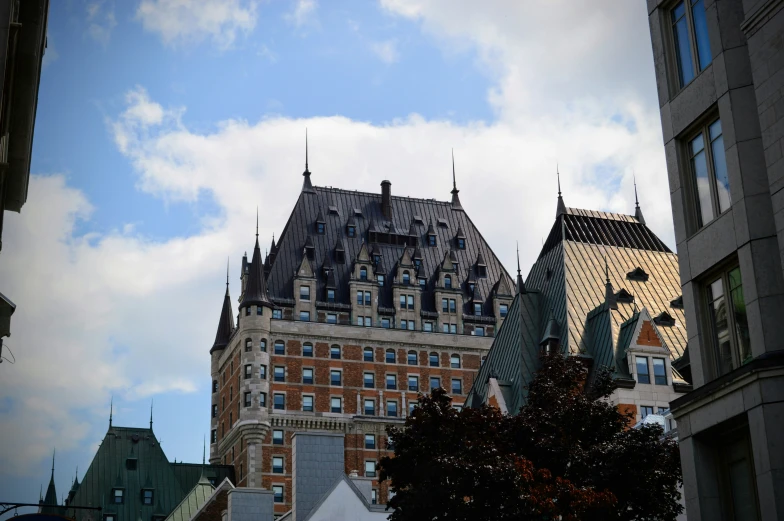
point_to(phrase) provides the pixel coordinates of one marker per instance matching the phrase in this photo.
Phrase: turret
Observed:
(226, 322)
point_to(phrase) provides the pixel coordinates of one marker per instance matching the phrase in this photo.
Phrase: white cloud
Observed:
(386, 51)
(191, 21)
(100, 20)
(304, 12)
(50, 53)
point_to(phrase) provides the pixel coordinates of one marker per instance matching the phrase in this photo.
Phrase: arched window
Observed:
(367, 354)
(248, 345)
(390, 356)
(448, 281)
(433, 359)
(406, 278)
(263, 345)
(363, 273)
(454, 361)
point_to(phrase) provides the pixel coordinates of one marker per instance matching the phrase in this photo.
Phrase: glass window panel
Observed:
(412, 358)
(391, 408)
(277, 437)
(680, 28)
(701, 178)
(645, 410)
(334, 378)
(719, 320)
(701, 33)
(335, 405)
(307, 350)
(367, 354)
(370, 441)
(720, 166)
(435, 382)
(369, 380)
(307, 403)
(739, 312)
(413, 383)
(391, 381)
(307, 376)
(643, 375)
(659, 371)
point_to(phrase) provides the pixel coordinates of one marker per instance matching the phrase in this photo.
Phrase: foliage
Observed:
(568, 454)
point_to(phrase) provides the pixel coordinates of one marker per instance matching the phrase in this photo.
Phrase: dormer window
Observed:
(380, 279)
(363, 273)
(333, 210)
(460, 243)
(624, 297)
(481, 271)
(330, 295)
(637, 274)
(351, 231)
(471, 287)
(376, 258)
(422, 282)
(477, 309)
(118, 496)
(448, 281)
(418, 219)
(417, 263)
(431, 240)
(340, 256)
(320, 228)
(664, 319)
(406, 278)
(147, 496)
(443, 223)
(130, 463)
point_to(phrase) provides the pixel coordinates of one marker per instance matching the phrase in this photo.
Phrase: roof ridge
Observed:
(399, 197)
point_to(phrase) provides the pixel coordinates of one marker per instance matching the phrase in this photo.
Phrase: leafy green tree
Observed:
(568, 454)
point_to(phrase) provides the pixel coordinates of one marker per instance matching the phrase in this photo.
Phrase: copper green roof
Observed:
(193, 501)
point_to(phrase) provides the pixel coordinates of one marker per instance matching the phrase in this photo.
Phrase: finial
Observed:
(606, 270)
(520, 283)
(227, 273)
(151, 413)
(518, 257)
(111, 410)
(306, 149)
(54, 451)
(637, 210)
(455, 199)
(454, 181)
(561, 208)
(41, 493)
(257, 222)
(636, 201)
(558, 174)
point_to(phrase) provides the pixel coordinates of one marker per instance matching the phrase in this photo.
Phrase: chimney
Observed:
(386, 199)
(317, 462)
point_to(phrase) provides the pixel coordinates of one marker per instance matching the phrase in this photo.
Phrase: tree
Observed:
(568, 454)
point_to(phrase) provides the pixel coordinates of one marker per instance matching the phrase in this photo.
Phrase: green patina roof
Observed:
(192, 502)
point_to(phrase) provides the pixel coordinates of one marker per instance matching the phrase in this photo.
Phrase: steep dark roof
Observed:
(50, 500)
(373, 227)
(256, 288)
(110, 469)
(225, 324)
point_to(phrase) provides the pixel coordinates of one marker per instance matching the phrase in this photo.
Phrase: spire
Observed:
(50, 499)
(307, 186)
(561, 206)
(151, 413)
(256, 287)
(225, 326)
(111, 410)
(455, 199)
(257, 223)
(520, 283)
(637, 210)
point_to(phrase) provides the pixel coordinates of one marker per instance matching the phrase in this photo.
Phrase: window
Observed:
(248, 345)
(391, 381)
(448, 281)
(645, 410)
(248, 371)
(304, 292)
(412, 358)
(402, 302)
(454, 361)
(214, 436)
(435, 382)
(359, 298)
(369, 380)
(263, 345)
(406, 278)
(444, 305)
(709, 168)
(332, 318)
(659, 371)
(117, 495)
(410, 300)
(363, 273)
(247, 312)
(390, 356)
(503, 310)
(214, 410)
(307, 403)
(112, 517)
(307, 375)
(277, 313)
(351, 231)
(364, 321)
(307, 350)
(477, 309)
(373, 497)
(215, 386)
(452, 306)
(370, 408)
(277, 492)
(262, 399)
(380, 279)
(280, 348)
(330, 295)
(370, 469)
(457, 386)
(479, 331)
(246, 399)
(386, 323)
(690, 32)
(433, 358)
(643, 374)
(431, 240)
(729, 325)
(334, 377)
(320, 228)
(413, 383)
(304, 316)
(147, 497)
(367, 354)
(277, 437)
(334, 352)
(422, 282)
(279, 374)
(370, 441)
(460, 243)
(263, 372)
(335, 405)
(661, 410)
(367, 298)
(427, 327)
(279, 401)
(391, 408)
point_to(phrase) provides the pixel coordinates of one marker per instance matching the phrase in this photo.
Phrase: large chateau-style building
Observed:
(365, 301)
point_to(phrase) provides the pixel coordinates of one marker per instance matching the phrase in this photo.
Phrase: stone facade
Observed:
(720, 75)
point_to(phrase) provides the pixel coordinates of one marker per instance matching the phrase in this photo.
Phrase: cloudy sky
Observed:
(163, 124)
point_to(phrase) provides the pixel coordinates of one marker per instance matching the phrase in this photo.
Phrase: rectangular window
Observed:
(277, 437)
(262, 399)
(645, 410)
(709, 171)
(147, 497)
(304, 316)
(413, 383)
(248, 345)
(307, 375)
(263, 345)
(277, 313)
(427, 327)
(248, 371)
(386, 323)
(391, 381)
(389, 356)
(457, 386)
(410, 301)
(369, 380)
(412, 358)
(445, 305)
(411, 407)
(307, 403)
(263, 372)
(246, 399)
(330, 295)
(280, 401)
(334, 352)
(659, 371)
(370, 408)
(452, 306)
(359, 298)
(368, 322)
(391, 408)
(503, 310)
(277, 465)
(307, 350)
(370, 441)
(380, 279)
(373, 497)
(690, 33)
(279, 374)
(335, 405)
(214, 436)
(453, 328)
(367, 354)
(367, 298)
(215, 410)
(729, 323)
(280, 348)
(435, 382)
(370, 469)
(404, 324)
(478, 309)
(332, 318)
(402, 302)
(643, 374)
(117, 495)
(304, 292)
(334, 377)
(479, 331)
(411, 325)
(433, 359)
(277, 491)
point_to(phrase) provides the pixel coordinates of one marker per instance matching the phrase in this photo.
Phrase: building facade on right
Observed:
(720, 77)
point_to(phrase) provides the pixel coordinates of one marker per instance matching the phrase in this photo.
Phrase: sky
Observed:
(163, 124)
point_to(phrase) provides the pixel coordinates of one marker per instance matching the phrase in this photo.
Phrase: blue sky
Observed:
(163, 124)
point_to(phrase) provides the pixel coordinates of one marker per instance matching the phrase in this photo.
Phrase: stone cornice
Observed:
(758, 18)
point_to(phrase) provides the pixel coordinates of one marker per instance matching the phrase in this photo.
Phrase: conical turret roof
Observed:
(225, 324)
(256, 289)
(50, 499)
